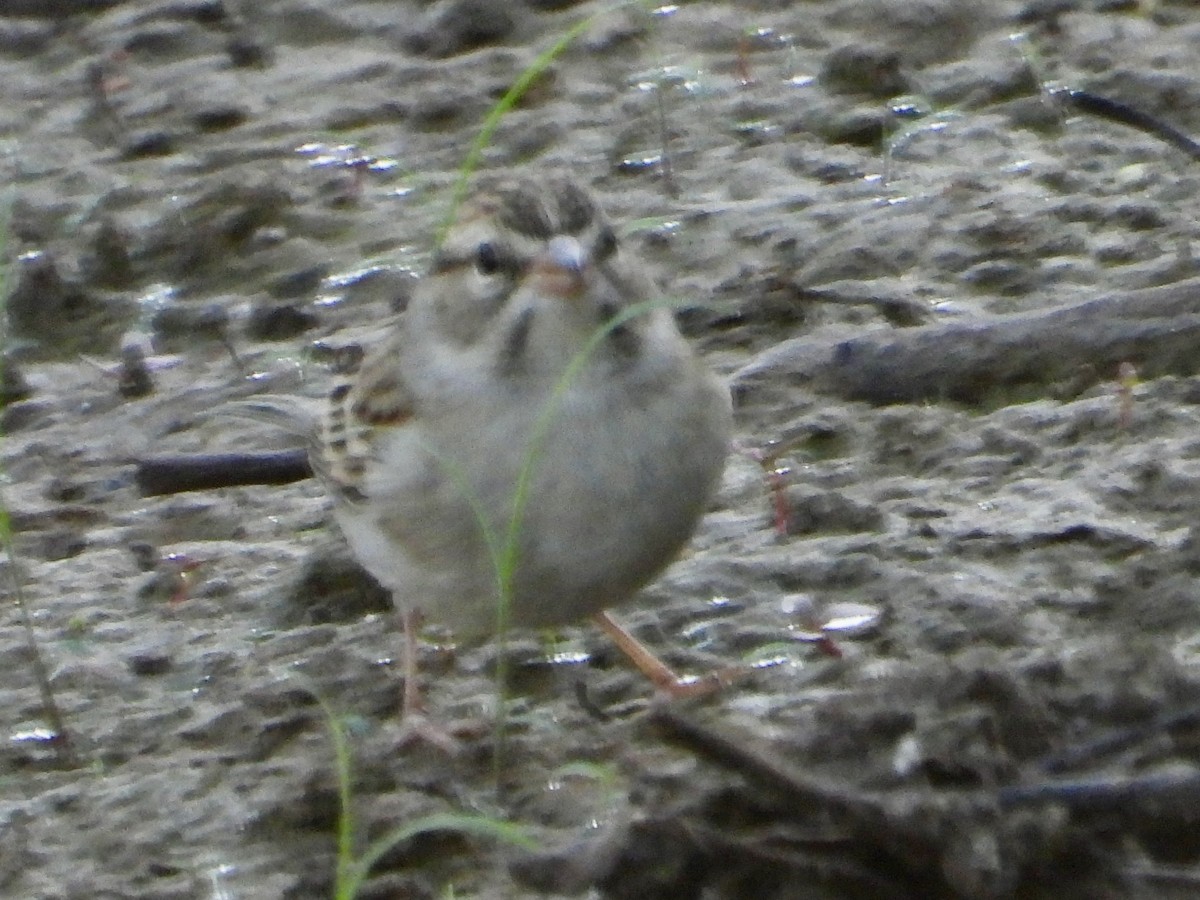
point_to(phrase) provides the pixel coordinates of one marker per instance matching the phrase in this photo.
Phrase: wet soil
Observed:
(233, 193)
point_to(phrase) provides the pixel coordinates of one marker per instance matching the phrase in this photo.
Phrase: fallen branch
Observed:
(53, 9)
(202, 472)
(1157, 328)
(913, 835)
(1116, 111)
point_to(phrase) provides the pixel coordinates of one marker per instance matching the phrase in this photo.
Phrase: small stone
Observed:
(278, 322)
(18, 416)
(13, 386)
(300, 283)
(220, 116)
(393, 285)
(44, 300)
(145, 555)
(134, 379)
(862, 126)
(864, 69)
(109, 263)
(815, 511)
(149, 663)
(63, 544)
(140, 145)
(341, 360)
(190, 322)
(333, 587)
(245, 52)
(64, 490)
(456, 26)
(165, 41)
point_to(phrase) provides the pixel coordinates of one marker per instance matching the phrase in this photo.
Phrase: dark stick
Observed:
(1119, 739)
(1160, 793)
(53, 9)
(910, 842)
(202, 472)
(907, 826)
(1116, 111)
(735, 752)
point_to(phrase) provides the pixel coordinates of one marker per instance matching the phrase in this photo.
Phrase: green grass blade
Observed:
(475, 826)
(511, 547)
(346, 825)
(510, 99)
(343, 769)
(54, 718)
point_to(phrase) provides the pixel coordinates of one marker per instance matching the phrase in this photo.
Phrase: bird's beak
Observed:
(560, 270)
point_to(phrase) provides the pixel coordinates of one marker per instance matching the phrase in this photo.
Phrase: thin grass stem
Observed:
(477, 826)
(62, 743)
(505, 104)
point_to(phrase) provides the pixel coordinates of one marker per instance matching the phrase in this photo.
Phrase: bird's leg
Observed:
(662, 675)
(415, 726)
(411, 622)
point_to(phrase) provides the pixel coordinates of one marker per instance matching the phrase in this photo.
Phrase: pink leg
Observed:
(415, 726)
(412, 689)
(662, 675)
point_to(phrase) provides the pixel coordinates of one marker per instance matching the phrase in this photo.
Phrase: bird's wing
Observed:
(369, 402)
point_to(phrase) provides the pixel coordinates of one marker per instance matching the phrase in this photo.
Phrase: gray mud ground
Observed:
(266, 178)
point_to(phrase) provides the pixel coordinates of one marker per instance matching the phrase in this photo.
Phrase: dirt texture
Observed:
(958, 312)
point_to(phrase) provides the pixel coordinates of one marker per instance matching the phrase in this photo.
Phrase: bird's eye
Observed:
(606, 244)
(487, 258)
